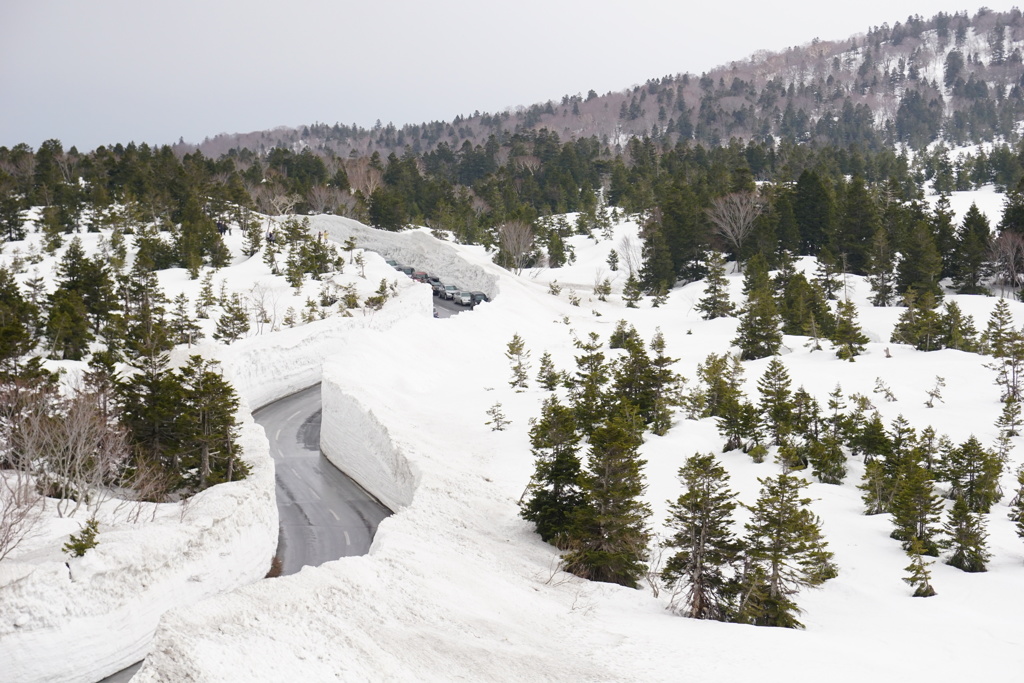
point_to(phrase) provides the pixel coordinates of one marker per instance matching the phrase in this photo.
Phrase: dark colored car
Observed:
(478, 297)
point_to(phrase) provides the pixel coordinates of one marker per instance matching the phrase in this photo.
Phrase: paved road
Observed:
(324, 514)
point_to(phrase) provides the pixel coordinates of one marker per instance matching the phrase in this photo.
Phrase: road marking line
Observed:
(334, 514)
(294, 415)
(277, 436)
(348, 541)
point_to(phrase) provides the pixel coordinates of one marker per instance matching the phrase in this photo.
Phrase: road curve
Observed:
(324, 514)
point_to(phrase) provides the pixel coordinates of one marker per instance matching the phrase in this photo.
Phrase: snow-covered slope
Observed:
(457, 586)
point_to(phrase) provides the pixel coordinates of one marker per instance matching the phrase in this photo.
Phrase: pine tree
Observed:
(715, 303)
(547, 376)
(517, 354)
(921, 266)
(206, 298)
(67, 327)
(881, 264)
(631, 292)
(758, 334)
(183, 329)
(587, 391)
(957, 330)
(828, 463)
(706, 548)
(920, 325)
(998, 331)
(920, 577)
(16, 316)
(553, 494)
(776, 403)
(208, 424)
(973, 247)
(1017, 504)
(973, 474)
(785, 553)
(916, 510)
(848, 338)
(609, 536)
(234, 323)
(967, 538)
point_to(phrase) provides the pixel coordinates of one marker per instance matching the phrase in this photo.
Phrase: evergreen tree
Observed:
(998, 330)
(183, 329)
(609, 535)
(973, 248)
(785, 553)
(920, 325)
(67, 327)
(631, 291)
(715, 303)
(920, 577)
(517, 354)
(847, 337)
(587, 391)
(881, 274)
(828, 461)
(858, 224)
(921, 266)
(967, 538)
(758, 334)
(957, 330)
(16, 316)
(916, 510)
(706, 548)
(1017, 504)
(973, 474)
(234, 323)
(776, 404)
(722, 380)
(547, 376)
(554, 495)
(208, 425)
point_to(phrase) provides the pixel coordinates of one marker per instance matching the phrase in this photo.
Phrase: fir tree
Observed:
(67, 327)
(957, 330)
(588, 400)
(206, 298)
(498, 421)
(554, 493)
(998, 331)
(758, 334)
(547, 376)
(609, 536)
(828, 461)
(706, 548)
(183, 329)
(776, 400)
(631, 292)
(920, 577)
(920, 325)
(916, 510)
(921, 266)
(972, 249)
(715, 303)
(881, 276)
(966, 538)
(1017, 504)
(519, 357)
(973, 474)
(234, 323)
(848, 338)
(785, 553)
(208, 424)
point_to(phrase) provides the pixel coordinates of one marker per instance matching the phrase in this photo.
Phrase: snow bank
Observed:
(456, 586)
(416, 248)
(97, 614)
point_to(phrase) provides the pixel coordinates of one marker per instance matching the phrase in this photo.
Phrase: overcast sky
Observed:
(93, 72)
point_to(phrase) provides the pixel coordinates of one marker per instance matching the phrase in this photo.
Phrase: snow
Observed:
(457, 586)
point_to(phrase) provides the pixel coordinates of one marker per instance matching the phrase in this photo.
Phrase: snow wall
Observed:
(85, 621)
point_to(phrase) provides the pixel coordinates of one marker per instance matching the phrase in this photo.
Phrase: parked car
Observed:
(449, 291)
(433, 280)
(464, 298)
(438, 288)
(419, 276)
(478, 297)
(391, 262)
(408, 270)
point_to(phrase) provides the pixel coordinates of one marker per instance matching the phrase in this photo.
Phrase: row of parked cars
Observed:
(450, 292)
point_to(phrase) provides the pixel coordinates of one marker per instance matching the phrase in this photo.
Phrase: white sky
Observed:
(104, 71)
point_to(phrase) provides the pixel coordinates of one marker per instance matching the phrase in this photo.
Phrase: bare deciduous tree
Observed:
(20, 508)
(363, 177)
(733, 217)
(631, 254)
(516, 240)
(1008, 255)
(322, 198)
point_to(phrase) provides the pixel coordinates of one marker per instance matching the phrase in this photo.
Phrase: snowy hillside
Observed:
(457, 586)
